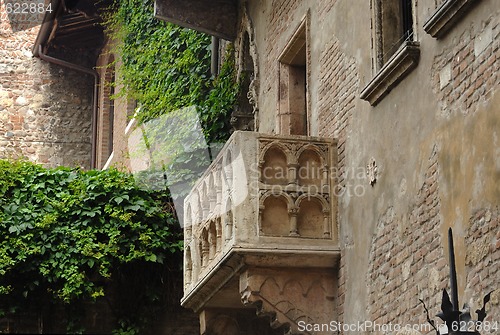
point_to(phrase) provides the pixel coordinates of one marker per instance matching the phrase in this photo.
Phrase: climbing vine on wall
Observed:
(65, 234)
(166, 67)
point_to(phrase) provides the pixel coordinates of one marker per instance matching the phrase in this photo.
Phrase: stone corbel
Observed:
(290, 296)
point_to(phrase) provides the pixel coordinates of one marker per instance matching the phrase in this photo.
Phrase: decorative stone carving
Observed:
(289, 296)
(246, 117)
(372, 171)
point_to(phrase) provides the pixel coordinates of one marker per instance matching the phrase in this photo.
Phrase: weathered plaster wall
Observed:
(45, 110)
(434, 140)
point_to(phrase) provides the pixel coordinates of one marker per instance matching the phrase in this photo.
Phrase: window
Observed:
(395, 25)
(293, 88)
(395, 48)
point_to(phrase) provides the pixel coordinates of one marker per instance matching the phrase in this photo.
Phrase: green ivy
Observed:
(166, 67)
(66, 233)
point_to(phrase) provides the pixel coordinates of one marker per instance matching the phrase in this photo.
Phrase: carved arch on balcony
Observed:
(275, 212)
(195, 254)
(313, 219)
(317, 157)
(272, 193)
(274, 162)
(198, 257)
(279, 145)
(322, 152)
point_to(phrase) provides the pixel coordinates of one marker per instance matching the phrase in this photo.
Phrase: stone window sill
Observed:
(446, 16)
(396, 68)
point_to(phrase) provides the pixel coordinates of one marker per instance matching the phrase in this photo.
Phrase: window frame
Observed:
(290, 67)
(389, 73)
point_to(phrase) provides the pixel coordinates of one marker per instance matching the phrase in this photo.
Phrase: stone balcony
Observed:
(263, 210)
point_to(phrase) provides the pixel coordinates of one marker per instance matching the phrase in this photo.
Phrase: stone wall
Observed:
(45, 110)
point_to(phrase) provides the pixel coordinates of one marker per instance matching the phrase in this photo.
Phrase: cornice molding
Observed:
(396, 68)
(446, 16)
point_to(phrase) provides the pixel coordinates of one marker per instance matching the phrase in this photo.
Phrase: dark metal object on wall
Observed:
(450, 313)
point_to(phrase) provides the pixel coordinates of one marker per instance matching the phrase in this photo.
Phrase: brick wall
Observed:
(45, 110)
(324, 8)
(483, 256)
(465, 73)
(277, 26)
(407, 260)
(339, 85)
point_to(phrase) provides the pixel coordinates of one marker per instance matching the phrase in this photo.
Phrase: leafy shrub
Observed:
(166, 67)
(65, 234)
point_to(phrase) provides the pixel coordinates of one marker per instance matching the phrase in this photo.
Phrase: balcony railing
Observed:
(263, 195)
